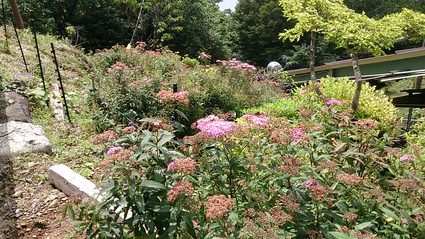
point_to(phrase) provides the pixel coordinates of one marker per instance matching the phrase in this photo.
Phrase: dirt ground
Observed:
(30, 206)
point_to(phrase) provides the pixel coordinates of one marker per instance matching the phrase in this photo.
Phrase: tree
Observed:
(357, 33)
(309, 16)
(16, 14)
(354, 32)
(258, 23)
(380, 8)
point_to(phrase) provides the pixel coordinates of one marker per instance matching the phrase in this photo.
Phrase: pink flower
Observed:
(171, 166)
(303, 91)
(114, 150)
(257, 120)
(156, 122)
(215, 127)
(184, 165)
(406, 158)
(333, 102)
(310, 183)
(418, 218)
(297, 134)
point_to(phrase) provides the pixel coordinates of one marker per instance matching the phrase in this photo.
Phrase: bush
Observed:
(285, 107)
(325, 176)
(373, 104)
(137, 76)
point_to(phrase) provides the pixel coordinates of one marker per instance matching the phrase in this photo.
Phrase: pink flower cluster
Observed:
(234, 63)
(406, 158)
(217, 206)
(129, 129)
(118, 66)
(310, 183)
(204, 56)
(215, 127)
(181, 97)
(144, 81)
(185, 166)
(333, 102)
(180, 188)
(297, 134)
(114, 150)
(257, 120)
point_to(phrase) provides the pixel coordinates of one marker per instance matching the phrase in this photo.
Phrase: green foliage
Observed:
(309, 16)
(323, 174)
(374, 103)
(258, 24)
(210, 89)
(191, 62)
(380, 8)
(416, 140)
(185, 26)
(136, 192)
(285, 107)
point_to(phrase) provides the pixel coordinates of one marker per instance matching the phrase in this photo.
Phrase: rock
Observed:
(22, 77)
(17, 194)
(20, 137)
(51, 198)
(13, 107)
(56, 105)
(54, 203)
(71, 183)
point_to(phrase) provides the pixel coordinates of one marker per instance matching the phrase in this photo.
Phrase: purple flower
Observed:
(114, 150)
(297, 134)
(303, 91)
(257, 120)
(310, 183)
(406, 158)
(333, 102)
(215, 127)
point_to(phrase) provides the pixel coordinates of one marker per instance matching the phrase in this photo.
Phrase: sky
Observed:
(228, 4)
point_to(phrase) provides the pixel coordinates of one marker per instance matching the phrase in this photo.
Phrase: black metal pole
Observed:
(19, 42)
(175, 89)
(5, 26)
(60, 82)
(39, 61)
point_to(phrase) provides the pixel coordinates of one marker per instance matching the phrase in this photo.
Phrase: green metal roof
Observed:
(402, 64)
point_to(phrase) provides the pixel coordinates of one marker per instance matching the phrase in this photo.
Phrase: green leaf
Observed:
(341, 235)
(165, 138)
(389, 213)
(152, 184)
(146, 139)
(363, 225)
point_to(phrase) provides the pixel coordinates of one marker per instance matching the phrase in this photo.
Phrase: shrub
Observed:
(374, 103)
(416, 140)
(324, 176)
(136, 76)
(284, 107)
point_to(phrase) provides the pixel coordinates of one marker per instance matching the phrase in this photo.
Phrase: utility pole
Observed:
(16, 14)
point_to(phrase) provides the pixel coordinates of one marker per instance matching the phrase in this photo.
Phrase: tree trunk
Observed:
(16, 14)
(313, 77)
(359, 82)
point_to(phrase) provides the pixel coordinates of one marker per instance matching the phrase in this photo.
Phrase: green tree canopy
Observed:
(258, 24)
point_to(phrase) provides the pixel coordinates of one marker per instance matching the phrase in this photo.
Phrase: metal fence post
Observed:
(39, 62)
(55, 60)
(19, 43)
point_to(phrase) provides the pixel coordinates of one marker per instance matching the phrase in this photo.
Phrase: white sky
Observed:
(228, 4)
